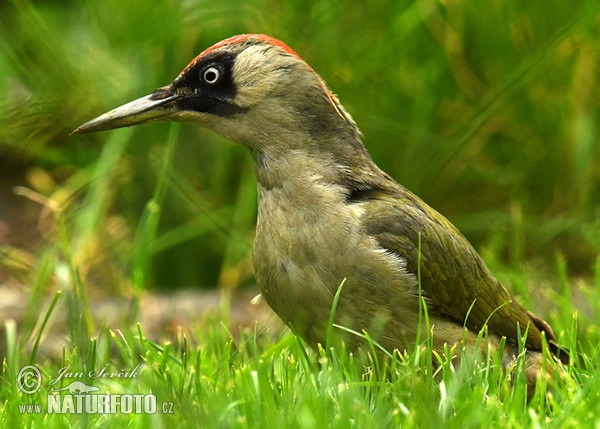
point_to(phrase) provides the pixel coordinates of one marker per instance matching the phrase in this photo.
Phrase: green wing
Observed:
(453, 275)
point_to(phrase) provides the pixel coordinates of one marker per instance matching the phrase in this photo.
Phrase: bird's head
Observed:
(250, 88)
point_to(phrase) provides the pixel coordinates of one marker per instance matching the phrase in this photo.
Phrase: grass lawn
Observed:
(257, 379)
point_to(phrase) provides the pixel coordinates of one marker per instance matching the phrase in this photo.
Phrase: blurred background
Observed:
(486, 110)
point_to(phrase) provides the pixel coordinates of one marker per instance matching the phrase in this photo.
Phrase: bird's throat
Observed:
(296, 169)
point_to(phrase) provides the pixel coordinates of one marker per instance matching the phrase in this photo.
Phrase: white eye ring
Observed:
(211, 75)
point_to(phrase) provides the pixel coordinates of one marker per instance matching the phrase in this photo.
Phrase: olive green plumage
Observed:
(454, 279)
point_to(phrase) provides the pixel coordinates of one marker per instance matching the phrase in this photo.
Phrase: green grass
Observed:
(485, 109)
(253, 379)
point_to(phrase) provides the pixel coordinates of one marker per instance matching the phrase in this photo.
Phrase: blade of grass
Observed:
(12, 355)
(34, 351)
(148, 227)
(336, 299)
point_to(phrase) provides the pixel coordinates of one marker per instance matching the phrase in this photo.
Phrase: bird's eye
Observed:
(211, 75)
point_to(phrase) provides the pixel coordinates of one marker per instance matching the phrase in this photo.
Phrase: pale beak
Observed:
(154, 106)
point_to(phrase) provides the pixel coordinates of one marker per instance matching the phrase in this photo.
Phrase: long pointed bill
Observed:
(143, 109)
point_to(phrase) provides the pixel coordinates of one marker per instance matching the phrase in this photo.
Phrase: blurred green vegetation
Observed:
(487, 110)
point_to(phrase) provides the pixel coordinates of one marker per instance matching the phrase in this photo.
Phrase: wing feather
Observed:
(454, 278)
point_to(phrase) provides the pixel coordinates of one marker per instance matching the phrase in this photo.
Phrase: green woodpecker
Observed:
(327, 214)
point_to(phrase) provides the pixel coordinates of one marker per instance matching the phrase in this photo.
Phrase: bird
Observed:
(330, 221)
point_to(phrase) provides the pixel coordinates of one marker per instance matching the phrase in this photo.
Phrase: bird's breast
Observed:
(301, 238)
(309, 240)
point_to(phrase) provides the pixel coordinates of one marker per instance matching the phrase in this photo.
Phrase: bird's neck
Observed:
(276, 170)
(347, 167)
